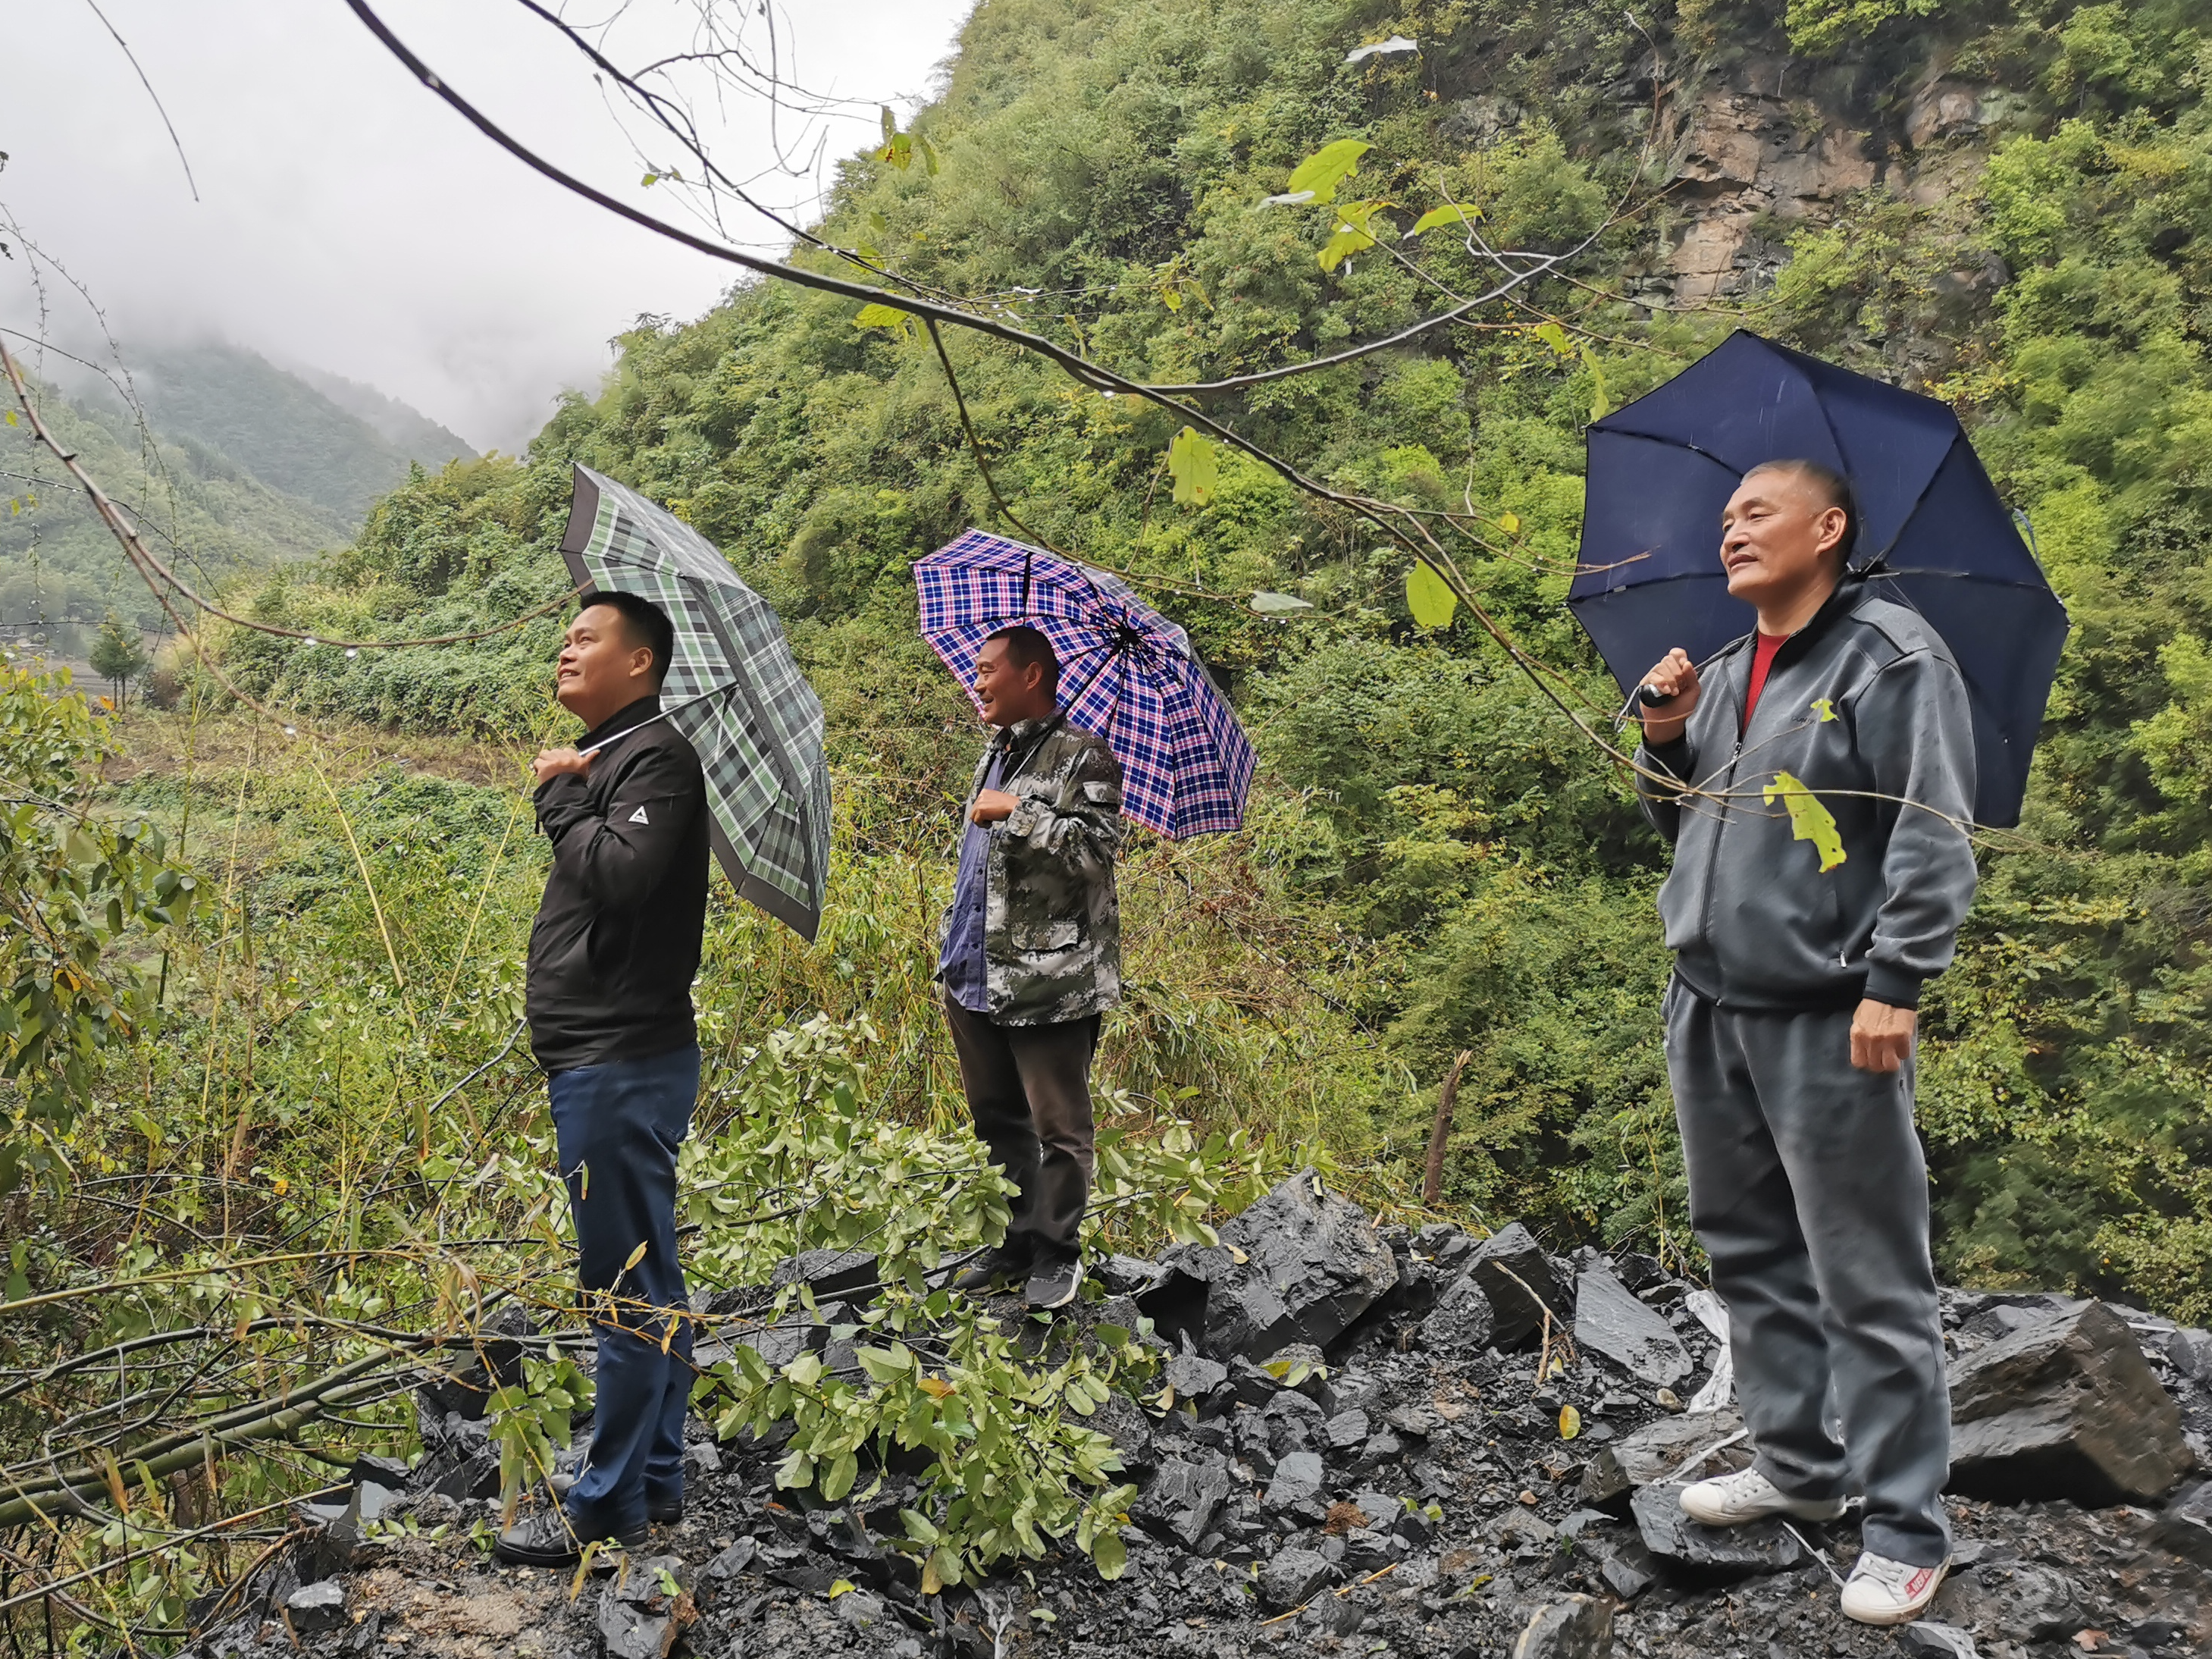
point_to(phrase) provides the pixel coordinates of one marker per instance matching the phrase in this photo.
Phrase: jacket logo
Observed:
(639, 816)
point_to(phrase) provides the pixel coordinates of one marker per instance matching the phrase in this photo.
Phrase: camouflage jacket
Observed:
(1052, 924)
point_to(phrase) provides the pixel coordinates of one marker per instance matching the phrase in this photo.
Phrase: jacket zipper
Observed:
(1721, 823)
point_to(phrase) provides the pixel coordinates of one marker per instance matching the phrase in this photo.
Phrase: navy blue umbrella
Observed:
(1931, 529)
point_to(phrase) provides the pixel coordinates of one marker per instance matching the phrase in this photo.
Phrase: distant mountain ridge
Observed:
(325, 440)
(414, 433)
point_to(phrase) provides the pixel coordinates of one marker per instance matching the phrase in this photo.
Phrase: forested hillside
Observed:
(230, 463)
(2006, 203)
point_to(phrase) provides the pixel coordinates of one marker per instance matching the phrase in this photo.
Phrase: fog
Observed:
(348, 219)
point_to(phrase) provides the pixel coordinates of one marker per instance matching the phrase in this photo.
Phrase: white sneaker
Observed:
(1730, 1500)
(1881, 1591)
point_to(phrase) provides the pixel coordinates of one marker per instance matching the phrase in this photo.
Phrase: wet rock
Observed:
(1366, 1550)
(1709, 1555)
(386, 1472)
(1625, 1564)
(1121, 1420)
(719, 1574)
(315, 1607)
(1299, 1266)
(466, 1384)
(847, 1276)
(1580, 1627)
(2190, 1351)
(2066, 1407)
(2012, 1601)
(628, 1630)
(1125, 1275)
(1294, 1577)
(1250, 1386)
(1346, 1431)
(1463, 1323)
(1185, 1497)
(1658, 1451)
(1193, 1376)
(1610, 1321)
(477, 1478)
(1927, 1639)
(1297, 1480)
(1517, 1276)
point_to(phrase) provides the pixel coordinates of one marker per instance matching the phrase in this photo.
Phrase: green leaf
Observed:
(928, 155)
(1111, 1554)
(1195, 466)
(1278, 605)
(1454, 214)
(1355, 232)
(1808, 819)
(1554, 336)
(838, 1479)
(1429, 597)
(1327, 168)
(889, 319)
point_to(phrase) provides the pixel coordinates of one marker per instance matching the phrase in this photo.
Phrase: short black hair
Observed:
(1835, 486)
(1026, 645)
(646, 623)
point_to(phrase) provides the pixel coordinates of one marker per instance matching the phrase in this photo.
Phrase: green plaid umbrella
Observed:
(734, 690)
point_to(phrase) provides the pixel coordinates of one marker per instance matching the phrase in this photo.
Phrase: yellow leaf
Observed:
(935, 1387)
(1571, 1422)
(1509, 523)
(1429, 597)
(1453, 214)
(842, 1587)
(280, 1186)
(1808, 819)
(1194, 466)
(1327, 167)
(1825, 709)
(637, 1254)
(668, 1337)
(11, 417)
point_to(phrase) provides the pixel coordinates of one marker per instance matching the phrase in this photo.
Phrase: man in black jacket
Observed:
(613, 956)
(1817, 780)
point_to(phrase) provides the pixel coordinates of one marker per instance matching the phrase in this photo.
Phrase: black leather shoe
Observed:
(1054, 1283)
(552, 1537)
(1002, 1264)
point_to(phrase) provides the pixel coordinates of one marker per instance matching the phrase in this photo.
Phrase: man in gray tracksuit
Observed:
(1817, 779)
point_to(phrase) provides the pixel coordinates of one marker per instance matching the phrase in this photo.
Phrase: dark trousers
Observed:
(1029, 1091)
(619, 1126)
(1809, 1192)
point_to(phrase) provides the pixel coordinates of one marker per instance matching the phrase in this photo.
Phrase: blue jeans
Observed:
(619, 1126)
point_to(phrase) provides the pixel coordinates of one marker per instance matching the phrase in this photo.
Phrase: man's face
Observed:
(1778, 536)
(602, 670)
(1008, 691)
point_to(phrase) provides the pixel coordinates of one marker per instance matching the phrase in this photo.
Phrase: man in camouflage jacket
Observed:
(1031, 957)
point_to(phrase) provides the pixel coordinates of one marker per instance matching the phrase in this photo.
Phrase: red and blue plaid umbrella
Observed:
(1127, 672)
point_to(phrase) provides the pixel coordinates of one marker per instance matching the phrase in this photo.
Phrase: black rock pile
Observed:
(1371, 1441)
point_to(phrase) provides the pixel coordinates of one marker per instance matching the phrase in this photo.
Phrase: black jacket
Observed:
(1864, 707)
(615, 944)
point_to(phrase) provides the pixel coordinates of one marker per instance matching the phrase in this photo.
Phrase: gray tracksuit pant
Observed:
(1809, 1192)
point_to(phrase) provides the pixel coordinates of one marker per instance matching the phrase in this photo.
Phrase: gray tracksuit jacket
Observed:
(1865, 708)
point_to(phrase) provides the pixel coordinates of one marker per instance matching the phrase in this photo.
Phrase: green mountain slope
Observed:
(2006, 202)
(337, 452)
(198, 509)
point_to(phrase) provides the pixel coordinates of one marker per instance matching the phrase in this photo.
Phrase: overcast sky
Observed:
(348, 219)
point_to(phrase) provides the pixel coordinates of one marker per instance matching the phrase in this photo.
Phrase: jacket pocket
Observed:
(1051, 935)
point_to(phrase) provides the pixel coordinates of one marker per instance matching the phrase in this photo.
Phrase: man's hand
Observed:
(992, 805)
(1675, 676)
(552, 762)
(1882, 1037)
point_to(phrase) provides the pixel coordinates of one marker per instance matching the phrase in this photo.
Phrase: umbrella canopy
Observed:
(1127, 673)
(1931, 529)
(760, 741)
